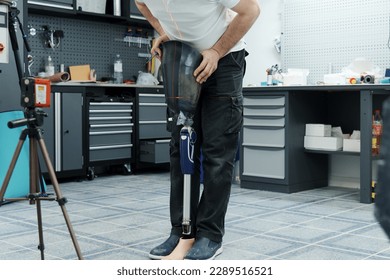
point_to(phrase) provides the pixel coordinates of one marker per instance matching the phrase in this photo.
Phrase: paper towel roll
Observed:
(59, 77)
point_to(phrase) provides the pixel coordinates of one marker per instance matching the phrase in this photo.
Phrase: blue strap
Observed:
(187, 141)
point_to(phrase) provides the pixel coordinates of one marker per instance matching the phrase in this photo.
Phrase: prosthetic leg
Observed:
(187, 141)
(182, 92)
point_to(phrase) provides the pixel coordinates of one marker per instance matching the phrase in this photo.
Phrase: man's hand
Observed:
(208, 65)
(156, 45)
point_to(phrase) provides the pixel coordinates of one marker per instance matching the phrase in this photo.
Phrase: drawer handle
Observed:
(110, 111)
(264, 127)
(127, 104)
(151, 95)
(268, 147)
(111, 132)
(153, 104)
(110, 147)
(110, 125)
(152, 122)
(109, 118)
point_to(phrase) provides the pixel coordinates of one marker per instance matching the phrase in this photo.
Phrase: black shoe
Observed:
(165, 248)
(204, 249)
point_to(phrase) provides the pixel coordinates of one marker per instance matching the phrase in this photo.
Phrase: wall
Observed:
(319, 33)
(9, 81)
(260, 42)
(86, 42)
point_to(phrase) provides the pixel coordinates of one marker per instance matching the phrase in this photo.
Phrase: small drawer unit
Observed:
(152, 111)
(110, 129)
(154, 151)
(151, 133)
(264, 139)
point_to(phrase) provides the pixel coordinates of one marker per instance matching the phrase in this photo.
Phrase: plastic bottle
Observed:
(377, 127)
(118, 70)
(49, 67)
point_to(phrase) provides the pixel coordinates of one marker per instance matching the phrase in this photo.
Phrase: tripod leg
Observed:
(34, 191)
(41, 245)
(61, 200)
(11, 167)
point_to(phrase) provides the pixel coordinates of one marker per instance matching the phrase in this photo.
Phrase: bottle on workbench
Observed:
(118, 70)
(377, 129)
(49, 67)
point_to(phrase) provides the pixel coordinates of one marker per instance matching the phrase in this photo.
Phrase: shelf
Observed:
(52, 11)
(72, 13)
(332, 152)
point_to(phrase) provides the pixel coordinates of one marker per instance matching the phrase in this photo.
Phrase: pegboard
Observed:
(85, 42)
(318, 35)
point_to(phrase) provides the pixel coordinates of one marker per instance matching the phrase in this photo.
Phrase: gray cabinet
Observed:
(63, 133)
(272, 155)
(72, 157)
(152, 135)
(110, 130)
(264, 136)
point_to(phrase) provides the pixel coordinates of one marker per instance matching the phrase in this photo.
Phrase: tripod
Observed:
(33, 119)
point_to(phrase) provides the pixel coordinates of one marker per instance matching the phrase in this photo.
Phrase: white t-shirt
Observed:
(200, 23)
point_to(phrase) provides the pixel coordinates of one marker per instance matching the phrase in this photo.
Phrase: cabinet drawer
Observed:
(264, 100)
(110, 120)
(264, 137)
(153, 129)
(100, 153)
(152, 111)
(110, 137)
(258, 121)
(268, 163)
(156, 151)
(150, 90)
(264, 111)
(110, 105)
(151, 98)
(110, 127)
(101, 110)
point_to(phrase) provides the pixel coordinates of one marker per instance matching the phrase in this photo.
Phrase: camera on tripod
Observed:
(35, 92)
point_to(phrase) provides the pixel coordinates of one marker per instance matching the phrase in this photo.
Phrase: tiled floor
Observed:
(123, 217)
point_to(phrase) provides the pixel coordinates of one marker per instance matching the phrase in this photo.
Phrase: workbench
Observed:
(273, 156)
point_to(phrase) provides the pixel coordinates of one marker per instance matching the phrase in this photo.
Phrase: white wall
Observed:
(260, 41)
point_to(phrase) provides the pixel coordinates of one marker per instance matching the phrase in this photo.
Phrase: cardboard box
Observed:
(351, 145)
(314, 129)
(323, 143)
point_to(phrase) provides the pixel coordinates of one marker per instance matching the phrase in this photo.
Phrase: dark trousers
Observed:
(217, 122)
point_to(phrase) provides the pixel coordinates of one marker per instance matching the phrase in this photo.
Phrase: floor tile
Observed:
(116, 217)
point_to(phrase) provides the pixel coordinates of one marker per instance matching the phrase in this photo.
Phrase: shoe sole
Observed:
(155, 257)
(218, 252)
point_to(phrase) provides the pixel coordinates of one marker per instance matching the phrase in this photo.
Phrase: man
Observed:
(216, 29)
